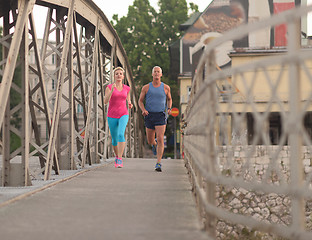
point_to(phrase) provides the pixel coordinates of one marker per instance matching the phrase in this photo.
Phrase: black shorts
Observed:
(155, 119)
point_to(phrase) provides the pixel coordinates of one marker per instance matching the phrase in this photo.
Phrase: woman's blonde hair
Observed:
(119, 68)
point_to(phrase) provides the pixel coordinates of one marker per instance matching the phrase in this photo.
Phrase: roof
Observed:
(184, 26)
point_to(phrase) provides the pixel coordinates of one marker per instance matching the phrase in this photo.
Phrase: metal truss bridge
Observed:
(63, 75)
(246, 140)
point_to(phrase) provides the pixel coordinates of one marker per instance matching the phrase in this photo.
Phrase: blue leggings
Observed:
(117, 127)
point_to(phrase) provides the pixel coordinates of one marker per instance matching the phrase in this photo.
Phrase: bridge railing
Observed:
(52, 87)
(247, 136)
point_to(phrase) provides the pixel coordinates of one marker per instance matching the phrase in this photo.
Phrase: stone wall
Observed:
(270, 208)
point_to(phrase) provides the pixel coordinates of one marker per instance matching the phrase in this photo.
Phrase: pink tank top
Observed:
(117, 104)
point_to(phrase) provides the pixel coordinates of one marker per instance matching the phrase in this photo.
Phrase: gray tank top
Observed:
(155, 99)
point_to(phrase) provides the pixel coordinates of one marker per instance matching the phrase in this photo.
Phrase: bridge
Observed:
(238, 178)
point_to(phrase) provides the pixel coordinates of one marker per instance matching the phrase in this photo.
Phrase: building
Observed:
(221, 16)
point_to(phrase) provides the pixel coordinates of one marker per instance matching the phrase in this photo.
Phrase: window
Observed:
(273, 131)
(189, 89)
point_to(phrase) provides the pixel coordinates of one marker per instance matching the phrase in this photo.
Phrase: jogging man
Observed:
(157, 98)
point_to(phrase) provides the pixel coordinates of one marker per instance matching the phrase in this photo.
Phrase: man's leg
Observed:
(160, 133)
(150, 135)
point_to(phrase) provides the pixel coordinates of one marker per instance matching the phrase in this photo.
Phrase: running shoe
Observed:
(119, 163)
(154, 148)
(116, 165)
(158, 167)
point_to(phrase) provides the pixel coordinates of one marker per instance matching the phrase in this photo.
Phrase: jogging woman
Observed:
(117, 95)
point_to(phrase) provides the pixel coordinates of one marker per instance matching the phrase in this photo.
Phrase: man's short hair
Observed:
(156, 67)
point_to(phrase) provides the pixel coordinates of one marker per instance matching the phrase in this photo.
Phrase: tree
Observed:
(15, 99)
(137, 33)
(146, 36)
(171, 14)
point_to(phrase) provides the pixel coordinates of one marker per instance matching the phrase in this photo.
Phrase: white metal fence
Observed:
(264, 101)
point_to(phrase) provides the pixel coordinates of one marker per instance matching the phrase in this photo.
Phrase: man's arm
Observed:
(141, 100)
(169, 99)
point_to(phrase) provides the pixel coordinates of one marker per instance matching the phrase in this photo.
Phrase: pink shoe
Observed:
(116, 161)
(119, 163)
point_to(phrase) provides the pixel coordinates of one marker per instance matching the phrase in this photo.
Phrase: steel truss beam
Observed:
(65, 99)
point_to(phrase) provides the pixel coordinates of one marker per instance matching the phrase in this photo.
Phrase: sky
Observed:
(120, 7)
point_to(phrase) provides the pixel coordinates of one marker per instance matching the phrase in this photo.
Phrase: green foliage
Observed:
(146, 36)
(171, 15)
(194, 7)
(15, 99)
(15, 142)
(137, 33)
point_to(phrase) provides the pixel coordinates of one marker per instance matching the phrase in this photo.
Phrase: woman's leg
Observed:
(113, 128)
(122, 124)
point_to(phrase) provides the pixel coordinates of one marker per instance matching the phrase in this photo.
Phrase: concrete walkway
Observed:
(134, 202)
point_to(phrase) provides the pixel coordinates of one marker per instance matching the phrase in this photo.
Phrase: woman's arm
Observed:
(130, 105)
(108, 93)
